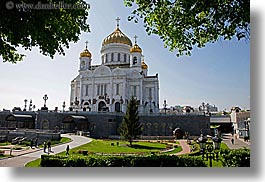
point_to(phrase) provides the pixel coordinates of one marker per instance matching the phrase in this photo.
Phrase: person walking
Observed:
(67, 150)
(232, 141)
(49, 146)
(44, 147)
(31, 143)
(36, 143)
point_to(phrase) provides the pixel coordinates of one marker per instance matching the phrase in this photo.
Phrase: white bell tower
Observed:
(85, 59)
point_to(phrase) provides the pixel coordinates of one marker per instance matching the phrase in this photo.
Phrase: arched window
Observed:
(119, 57)
(125, 57)
(106, 58)
(112, 56)
(134, 60)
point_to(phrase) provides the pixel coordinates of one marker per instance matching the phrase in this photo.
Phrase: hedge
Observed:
(236, 158)
(121, 161)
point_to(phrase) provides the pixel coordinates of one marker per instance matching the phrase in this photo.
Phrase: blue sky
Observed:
(218, 74)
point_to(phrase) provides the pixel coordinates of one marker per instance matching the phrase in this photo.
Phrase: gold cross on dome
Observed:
(135, 38)
(118, 21)
(86, 44)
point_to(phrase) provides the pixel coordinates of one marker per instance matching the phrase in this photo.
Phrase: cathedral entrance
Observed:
(117, 107)
(102, 106)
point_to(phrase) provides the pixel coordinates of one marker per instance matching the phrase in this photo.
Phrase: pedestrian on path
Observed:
(67, 150)
(36, 143)
(44, 147)
(49, 146)
(31, 143)
(232, 141)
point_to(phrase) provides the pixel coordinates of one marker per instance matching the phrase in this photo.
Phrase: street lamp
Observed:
(30, 105)
(210, 149)
(25, 104)
(45, 98)
(165, 106)
(63, 105)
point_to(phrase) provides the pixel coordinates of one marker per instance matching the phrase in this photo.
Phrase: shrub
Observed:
(121, 161)
(2, 152)
(236, 158)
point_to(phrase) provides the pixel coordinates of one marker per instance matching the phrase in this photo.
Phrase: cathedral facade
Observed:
(121, 75)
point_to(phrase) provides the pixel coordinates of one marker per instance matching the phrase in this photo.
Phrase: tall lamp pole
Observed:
(211, 149)
(30, 105)
(63, 105)
(165, 106)
(45, 98)
(25, 104)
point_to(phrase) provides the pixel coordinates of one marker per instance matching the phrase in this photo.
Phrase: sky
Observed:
(218, 74)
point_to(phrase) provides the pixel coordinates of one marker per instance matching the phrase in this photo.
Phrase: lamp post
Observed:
(30, 105)
(63, 105)
(165, 106)
(25, 104)
(210, 150)
(45, 98)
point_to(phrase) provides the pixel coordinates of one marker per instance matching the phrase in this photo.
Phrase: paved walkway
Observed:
(185, 147)
(25, 156)
(238, 143)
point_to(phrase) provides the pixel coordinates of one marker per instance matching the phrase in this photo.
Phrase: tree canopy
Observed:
(27, 23)
(185, 24)
(130, 127)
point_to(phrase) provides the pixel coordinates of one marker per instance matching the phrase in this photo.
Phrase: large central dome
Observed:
(117, 37)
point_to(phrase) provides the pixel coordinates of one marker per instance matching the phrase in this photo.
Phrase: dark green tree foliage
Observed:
(130, 127)
(49, 29)
(184, 24)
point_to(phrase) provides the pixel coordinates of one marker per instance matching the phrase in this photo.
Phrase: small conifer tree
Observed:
(130, 127)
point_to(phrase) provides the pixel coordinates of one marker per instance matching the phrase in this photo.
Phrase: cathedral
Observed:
(99, 98)
(121, 75)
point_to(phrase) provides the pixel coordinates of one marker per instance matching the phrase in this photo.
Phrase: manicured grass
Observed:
(35, 163)
(224, 146)
(5, 143)
(111, 146)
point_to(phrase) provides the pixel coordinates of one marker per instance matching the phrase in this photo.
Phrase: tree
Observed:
(130, 127)
(49, 24)
(184, 24)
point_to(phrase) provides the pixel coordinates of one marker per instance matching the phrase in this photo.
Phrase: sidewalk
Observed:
(14, 153)
(185, 147)
(238, 142)
(32, 154)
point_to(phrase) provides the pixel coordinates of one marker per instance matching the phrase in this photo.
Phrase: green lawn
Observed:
(35, 163)
(4, 143)
(111, 146)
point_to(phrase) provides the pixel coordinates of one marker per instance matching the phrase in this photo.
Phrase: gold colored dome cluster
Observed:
(136, 48)
(117, 37)
(144, 66)
(86, 53)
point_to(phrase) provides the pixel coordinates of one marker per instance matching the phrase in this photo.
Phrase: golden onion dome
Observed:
(117, 37)
(144, 66)
(136, 48)
(86, 53)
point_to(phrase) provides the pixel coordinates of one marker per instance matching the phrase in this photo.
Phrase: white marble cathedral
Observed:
(122, 74)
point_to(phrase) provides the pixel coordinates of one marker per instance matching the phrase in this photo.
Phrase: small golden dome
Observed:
(86, 53)
(144, 66)
(136, 48)
(117, 37)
